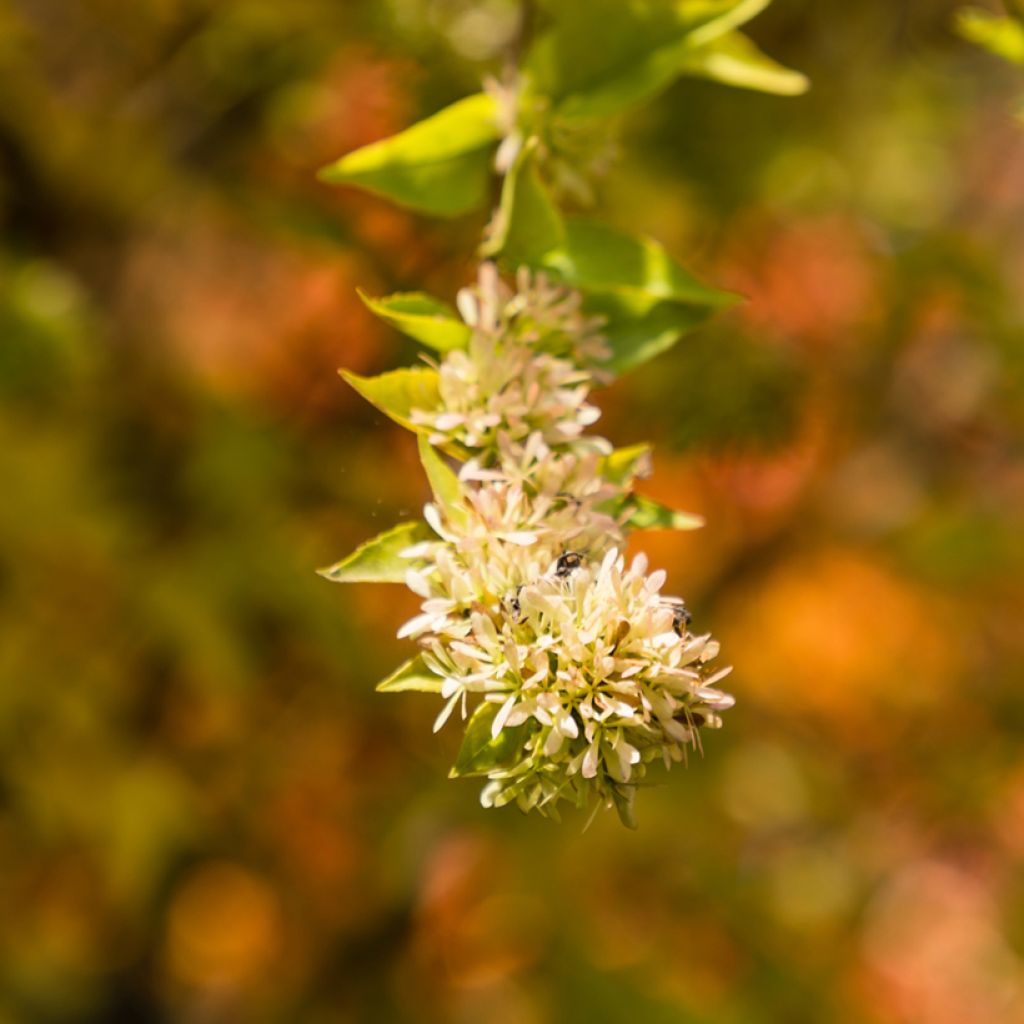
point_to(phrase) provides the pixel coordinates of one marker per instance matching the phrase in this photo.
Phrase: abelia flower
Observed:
(576, 673)
(582, 684)
(528, 369)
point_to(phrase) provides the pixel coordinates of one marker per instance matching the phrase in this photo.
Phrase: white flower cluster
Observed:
(581, 670)
(525, 370)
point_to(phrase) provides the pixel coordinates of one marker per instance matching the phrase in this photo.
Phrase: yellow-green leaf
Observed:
(421, 317)
(625, 464)
(643, 513)
(412, 676)
(398, 392)
(441, 165)
(603, 56)
(647, 300)
(443, 480)
(734, 59)
(378, 561)
(637, 329)
(528, 228)
(602, 258)
(481, 753)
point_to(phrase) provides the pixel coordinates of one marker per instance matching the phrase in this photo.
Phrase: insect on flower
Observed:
(568, 562)
(515, 607)
(681, 615)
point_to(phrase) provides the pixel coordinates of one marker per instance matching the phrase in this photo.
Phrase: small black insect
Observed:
(694, 719)
(567, 564)
(681, 617)
(515, 606)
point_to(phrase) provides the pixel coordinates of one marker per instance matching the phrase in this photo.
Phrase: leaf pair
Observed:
(598, 58)
(646, 299)
(604, 56)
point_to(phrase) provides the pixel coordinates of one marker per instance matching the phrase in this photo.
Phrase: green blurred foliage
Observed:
(207, 813)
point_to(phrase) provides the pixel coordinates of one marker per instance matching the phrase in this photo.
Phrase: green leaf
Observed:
(441, 165)
(481, 753)
(647, 300)
(1002, 36)
(413, 675)
(603, 56)
(378, 561)
(443, 481)
(423, 318)
(734, 59)
(624, 798)
(398, 392)
(605, 259)
(637, 330)
(528, 228)
(625, 464)
(587, 253)
(643, 513)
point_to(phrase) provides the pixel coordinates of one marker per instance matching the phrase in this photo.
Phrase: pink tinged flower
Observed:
(422, 550)
(466, 304)
(502, 716)
(675, 729)
(446, 711)
(720, 674)
(524, 538)
(520, 713)
(433, 518)
(417, 583)
(553, 743)
(715, 699)
(449, 420)
(417, 624)
(656, 581)
(566, 725)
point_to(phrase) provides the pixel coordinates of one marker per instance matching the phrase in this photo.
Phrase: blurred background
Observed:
(207, 814)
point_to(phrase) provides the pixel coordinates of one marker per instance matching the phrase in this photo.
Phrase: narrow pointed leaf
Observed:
(398, 392)
(643, 513)
(648, 301)
(378, 561)
(528, 228)
(423, 318)
(443, 481)
(637, 330)
(441, 165)
(412, 676)
(480, 753)
(604, 56)
(734, 59)
(602, 258)
(624, 798)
